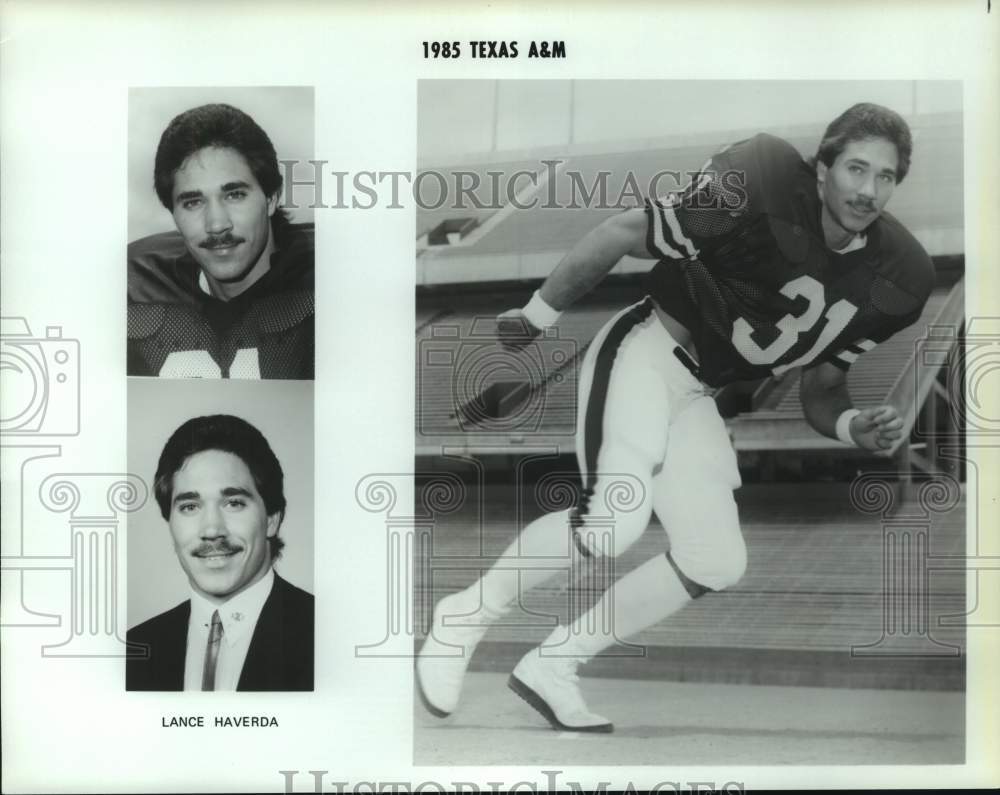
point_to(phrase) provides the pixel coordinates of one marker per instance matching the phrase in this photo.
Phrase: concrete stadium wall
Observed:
(459, 119)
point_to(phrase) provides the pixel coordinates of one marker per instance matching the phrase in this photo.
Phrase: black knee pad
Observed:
(695, 589)
(575, 523)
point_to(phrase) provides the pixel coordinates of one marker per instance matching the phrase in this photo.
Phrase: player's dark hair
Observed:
(230, 435)
(867, 120)
(221, 126)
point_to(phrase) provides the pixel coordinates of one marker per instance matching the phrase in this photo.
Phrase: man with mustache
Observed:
(220, 487)
(230, 294)
(765, 262)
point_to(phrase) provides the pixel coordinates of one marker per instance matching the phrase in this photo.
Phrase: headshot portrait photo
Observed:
(221, 237)
(220, 556)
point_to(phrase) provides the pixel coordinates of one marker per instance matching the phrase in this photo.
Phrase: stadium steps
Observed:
(813, 591)
(458, 357)
(437, 205)
(885, 374)
(426, 317)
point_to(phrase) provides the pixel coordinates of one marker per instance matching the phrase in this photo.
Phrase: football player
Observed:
(230, 293)
(764, 262)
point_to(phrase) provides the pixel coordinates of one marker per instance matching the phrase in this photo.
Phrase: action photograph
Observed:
(690, 474)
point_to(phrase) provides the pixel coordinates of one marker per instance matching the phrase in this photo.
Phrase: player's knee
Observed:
(702, 572)
(732, 566)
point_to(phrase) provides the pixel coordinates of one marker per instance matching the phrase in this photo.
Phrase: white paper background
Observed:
(66, 72)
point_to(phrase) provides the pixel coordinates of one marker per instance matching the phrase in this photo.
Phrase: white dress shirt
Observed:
(239, 618)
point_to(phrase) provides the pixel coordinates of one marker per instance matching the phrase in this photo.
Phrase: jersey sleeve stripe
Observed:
(847, 356)
(681, 241)
(666, 238)
(857, 348)
(659, 245)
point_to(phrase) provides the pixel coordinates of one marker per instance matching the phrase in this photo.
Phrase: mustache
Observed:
(221, 241)
(862, 205)
(222, 547)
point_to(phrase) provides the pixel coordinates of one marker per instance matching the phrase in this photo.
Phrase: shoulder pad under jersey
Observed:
(161, 270)
(903, 262)
(774, 173)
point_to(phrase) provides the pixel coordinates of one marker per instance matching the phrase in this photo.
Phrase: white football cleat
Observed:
(445, 655)
(549, 685)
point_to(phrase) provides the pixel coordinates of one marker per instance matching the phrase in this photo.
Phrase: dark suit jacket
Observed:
(280, 656)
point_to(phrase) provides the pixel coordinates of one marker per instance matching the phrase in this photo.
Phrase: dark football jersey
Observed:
(743, 264)
(177, 330)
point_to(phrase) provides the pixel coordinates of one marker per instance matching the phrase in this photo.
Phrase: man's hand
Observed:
(514, 330)
(877, 429)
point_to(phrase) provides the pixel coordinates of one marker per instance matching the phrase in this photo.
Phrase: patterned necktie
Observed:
(212, 653)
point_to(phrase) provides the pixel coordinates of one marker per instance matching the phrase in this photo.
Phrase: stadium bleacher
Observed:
(478, 203)
(936, 172)
(814, 594)
(527, 241)
(775, 423)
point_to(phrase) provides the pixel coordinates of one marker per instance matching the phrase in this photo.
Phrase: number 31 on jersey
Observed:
(790, 327)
